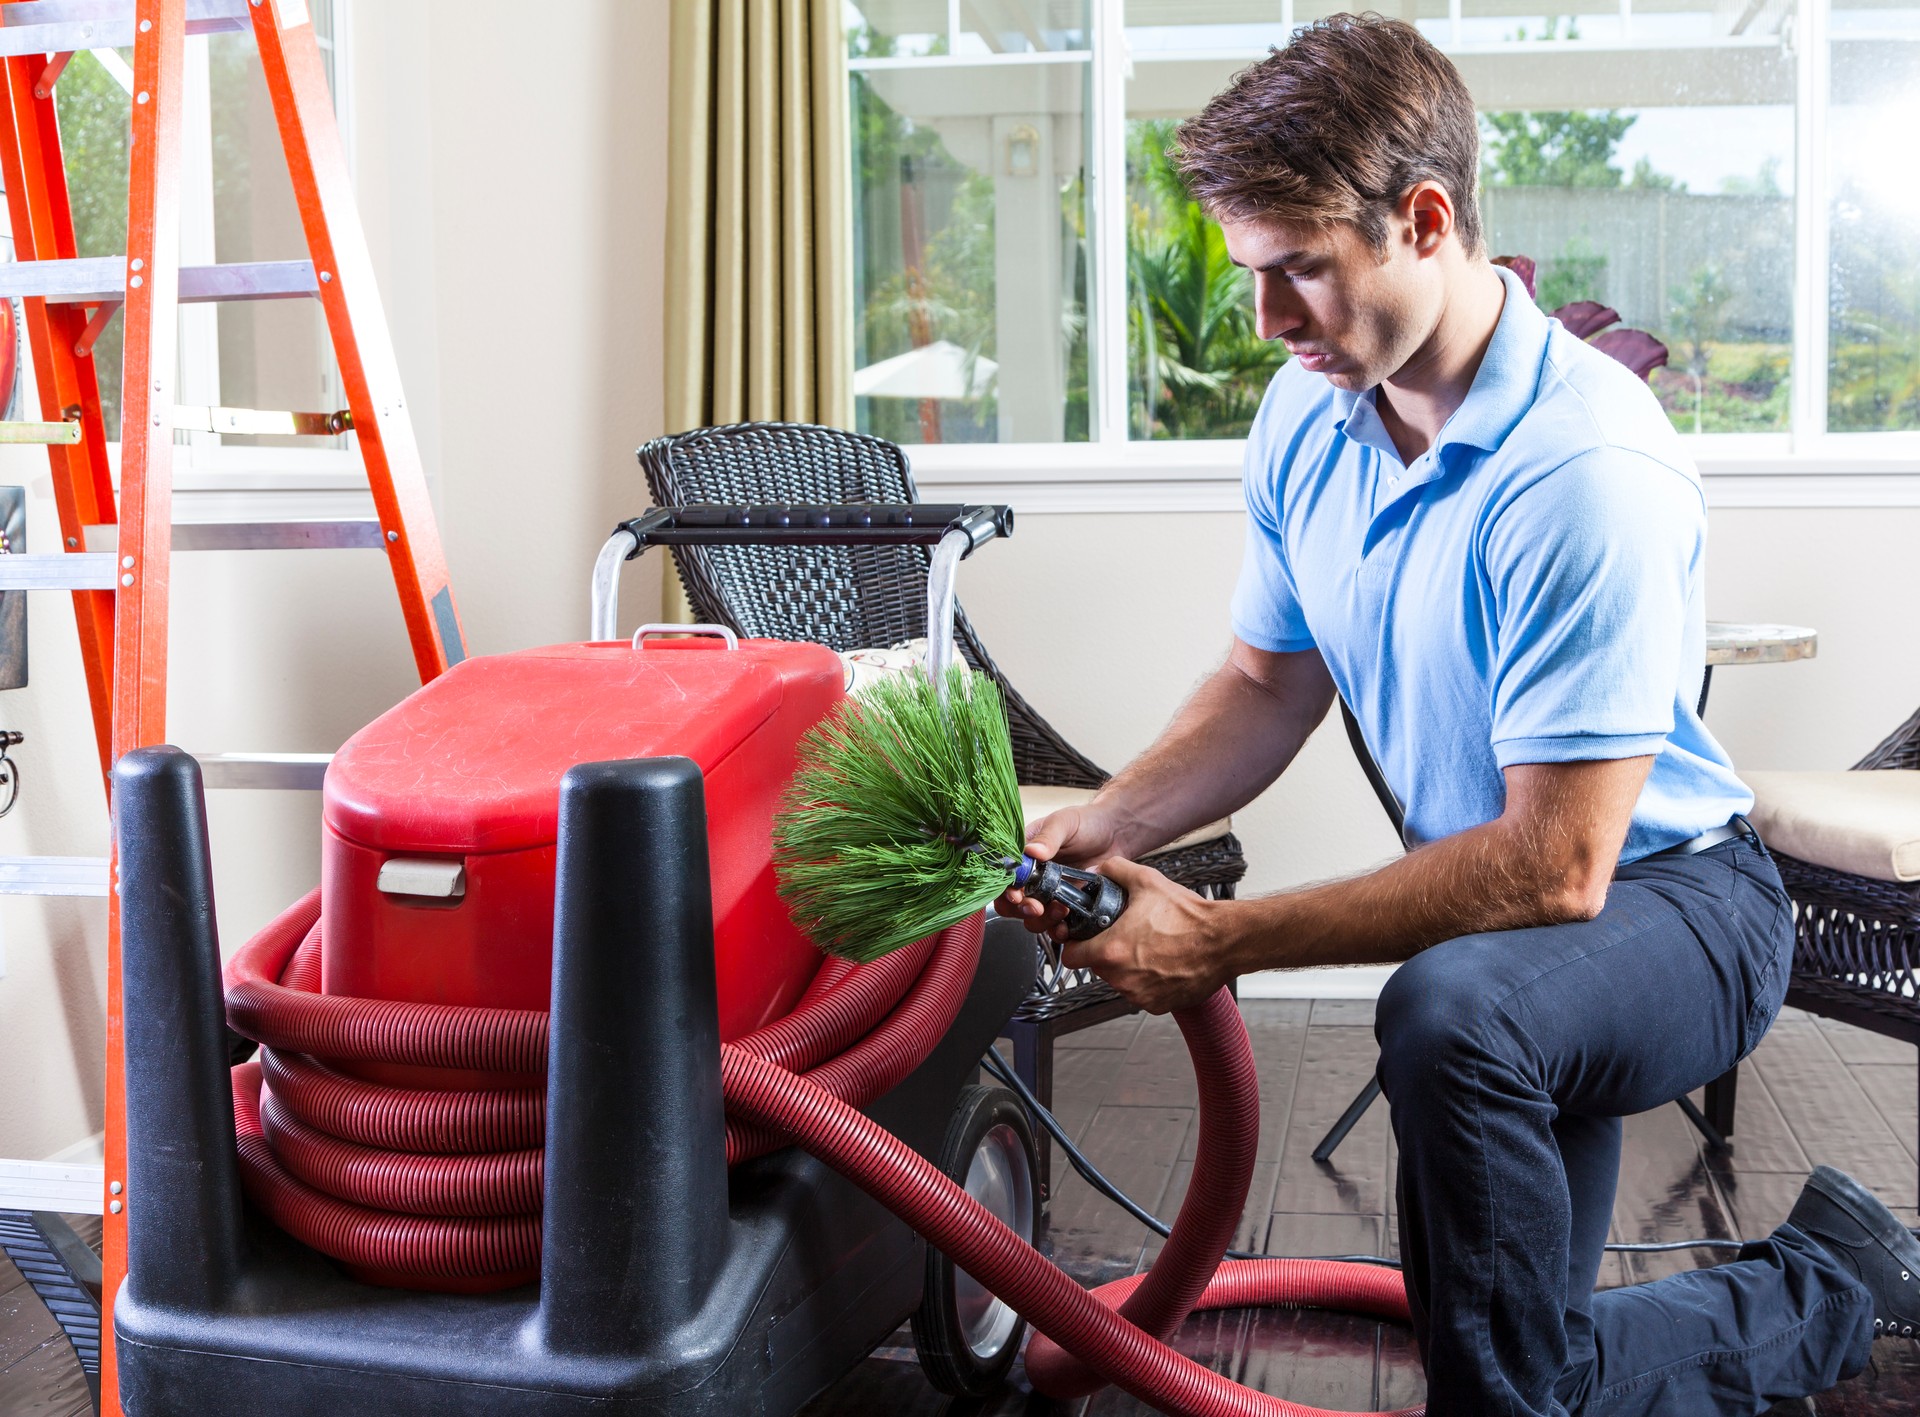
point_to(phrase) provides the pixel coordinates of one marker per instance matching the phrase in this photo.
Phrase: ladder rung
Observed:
(70, 570)
(52, 1185)
(254, 536)
(89, 280)
(60, 26)
(289, 772)
(272, 422)
(66, 431)
(53, 875)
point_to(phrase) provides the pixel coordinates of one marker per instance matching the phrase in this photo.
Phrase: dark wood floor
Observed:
(1814, 1092)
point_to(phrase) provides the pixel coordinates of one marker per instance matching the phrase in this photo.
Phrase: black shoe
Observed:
(1845, 1219)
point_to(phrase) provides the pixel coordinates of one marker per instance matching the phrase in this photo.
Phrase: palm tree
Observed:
(1199, 366)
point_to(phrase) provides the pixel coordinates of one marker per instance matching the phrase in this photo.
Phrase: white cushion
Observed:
(1865, 823)
(1038, 802)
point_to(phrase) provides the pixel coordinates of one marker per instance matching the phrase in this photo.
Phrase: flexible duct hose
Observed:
(442, 1188)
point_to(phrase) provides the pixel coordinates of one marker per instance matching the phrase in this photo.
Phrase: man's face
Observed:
(1344, 310)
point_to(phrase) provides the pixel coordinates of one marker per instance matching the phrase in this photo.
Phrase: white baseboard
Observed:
(1360, 981)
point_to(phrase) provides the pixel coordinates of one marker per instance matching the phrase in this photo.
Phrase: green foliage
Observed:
(1553, 149)
(1198, 364)
(1578, 273)
(903, 815)
(95, 132)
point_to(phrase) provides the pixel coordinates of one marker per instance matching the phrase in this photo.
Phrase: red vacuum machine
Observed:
(533, 1061)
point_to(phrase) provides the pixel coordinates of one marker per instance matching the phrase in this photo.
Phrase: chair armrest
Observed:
(853, 524)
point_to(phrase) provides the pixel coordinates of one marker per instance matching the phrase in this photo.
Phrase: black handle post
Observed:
(636, 1187)
(182, 1188)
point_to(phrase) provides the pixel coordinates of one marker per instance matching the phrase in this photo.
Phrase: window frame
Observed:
(213, 482)
(1804, 466)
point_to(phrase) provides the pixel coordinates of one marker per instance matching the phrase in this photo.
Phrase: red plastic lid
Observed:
(473, 761)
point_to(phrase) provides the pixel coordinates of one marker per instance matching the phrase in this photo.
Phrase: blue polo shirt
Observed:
(1528, 590)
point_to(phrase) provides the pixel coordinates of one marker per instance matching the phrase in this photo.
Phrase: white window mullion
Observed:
(1812, 278)
(1108, 372)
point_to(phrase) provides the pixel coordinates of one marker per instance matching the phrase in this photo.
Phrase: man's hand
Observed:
(1164, 952)
(1076, 836)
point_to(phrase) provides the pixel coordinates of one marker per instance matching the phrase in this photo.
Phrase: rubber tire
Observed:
(946, 1356)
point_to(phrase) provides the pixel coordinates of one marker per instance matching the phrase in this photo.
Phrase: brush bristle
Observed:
(869, 846)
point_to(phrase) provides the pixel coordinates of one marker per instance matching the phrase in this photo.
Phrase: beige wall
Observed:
(512, 200)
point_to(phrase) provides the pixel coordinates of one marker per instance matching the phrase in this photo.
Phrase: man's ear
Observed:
(1427, 209)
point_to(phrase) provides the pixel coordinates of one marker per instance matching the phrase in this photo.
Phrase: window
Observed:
(237, 204)
(1030, 270)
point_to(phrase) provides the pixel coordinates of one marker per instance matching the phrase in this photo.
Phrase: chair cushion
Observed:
(1865, 823)
(1039, 801)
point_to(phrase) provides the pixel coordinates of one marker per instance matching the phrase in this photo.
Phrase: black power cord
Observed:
(997, 1065)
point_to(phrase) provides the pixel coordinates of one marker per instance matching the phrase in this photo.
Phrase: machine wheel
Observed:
(967, 1339)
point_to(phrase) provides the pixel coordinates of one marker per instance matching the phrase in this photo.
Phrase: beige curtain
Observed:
(759, 317)
(759, 247)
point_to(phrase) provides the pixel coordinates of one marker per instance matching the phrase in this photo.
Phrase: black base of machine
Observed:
(667, 1286)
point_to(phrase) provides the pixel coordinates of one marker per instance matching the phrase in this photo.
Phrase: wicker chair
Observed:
(1856, 936)
(858, 597)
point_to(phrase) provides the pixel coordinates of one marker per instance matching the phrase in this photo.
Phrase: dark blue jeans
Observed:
(1509, 1060)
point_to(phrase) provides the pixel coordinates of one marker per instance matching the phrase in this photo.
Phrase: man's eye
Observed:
(1303, 273)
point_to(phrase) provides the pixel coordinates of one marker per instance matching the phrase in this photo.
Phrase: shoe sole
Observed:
(1872, 1214)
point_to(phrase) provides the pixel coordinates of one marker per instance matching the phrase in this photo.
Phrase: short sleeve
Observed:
(1593, 569)
(1266, 608)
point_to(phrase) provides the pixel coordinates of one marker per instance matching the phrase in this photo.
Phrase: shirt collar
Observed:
(1504, 385)
(1502, 390)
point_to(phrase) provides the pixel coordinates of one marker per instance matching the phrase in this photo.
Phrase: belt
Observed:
(1707, 840)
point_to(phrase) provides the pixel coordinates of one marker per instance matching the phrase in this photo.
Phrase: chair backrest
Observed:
(1375, 778)
(842, 597)
(839, 596)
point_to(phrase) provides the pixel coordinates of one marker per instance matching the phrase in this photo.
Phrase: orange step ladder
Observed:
(120, 597)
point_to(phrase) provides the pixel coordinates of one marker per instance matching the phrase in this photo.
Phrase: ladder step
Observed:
(62, 26)
(51, 1185)
(72, 570)
(287, 772)
(255, 536)
(261, 421)
(67, 431)
(51, 875)
(92, 280)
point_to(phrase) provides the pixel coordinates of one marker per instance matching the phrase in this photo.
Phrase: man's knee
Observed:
(1434, 1016)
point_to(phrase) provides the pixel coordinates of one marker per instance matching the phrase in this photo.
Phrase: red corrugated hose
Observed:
(442, 1188)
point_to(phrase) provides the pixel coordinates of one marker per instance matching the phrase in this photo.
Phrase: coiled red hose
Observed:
(442, 1188)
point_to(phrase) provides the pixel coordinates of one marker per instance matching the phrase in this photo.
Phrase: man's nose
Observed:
(1277, 309)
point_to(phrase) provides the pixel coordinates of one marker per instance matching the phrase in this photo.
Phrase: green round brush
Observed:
(904, 816)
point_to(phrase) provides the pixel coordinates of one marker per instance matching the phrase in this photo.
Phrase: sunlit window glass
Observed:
(971, 243)
(1873, 205)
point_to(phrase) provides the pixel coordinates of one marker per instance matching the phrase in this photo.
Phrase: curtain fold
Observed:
(759, 317)
(759, 304)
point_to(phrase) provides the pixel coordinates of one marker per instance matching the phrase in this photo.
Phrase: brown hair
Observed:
(1338, 126)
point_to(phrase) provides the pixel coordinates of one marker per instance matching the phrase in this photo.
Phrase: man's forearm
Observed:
(1548, 859)
(1226, 745)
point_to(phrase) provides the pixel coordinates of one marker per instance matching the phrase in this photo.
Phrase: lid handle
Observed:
(733, 640)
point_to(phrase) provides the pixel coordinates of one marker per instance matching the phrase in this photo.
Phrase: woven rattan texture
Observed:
(1859, 937)
(841, 597)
